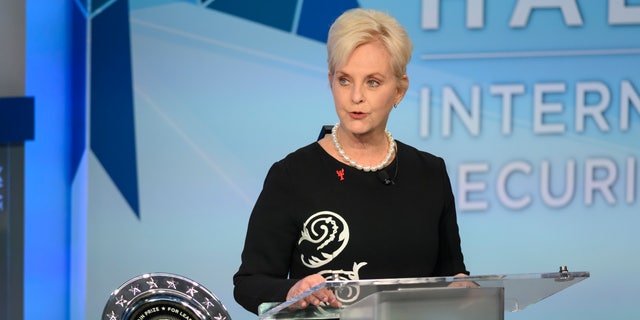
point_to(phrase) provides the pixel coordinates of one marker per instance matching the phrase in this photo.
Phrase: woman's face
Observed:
(365, 89)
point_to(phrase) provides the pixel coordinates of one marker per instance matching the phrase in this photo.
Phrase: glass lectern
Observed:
(473, 297)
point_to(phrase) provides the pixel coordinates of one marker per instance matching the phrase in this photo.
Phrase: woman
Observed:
(342, 208)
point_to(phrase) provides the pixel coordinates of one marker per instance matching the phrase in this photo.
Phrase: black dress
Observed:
(318, 215)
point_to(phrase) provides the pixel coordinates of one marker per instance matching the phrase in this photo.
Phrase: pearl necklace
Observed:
(387, 158)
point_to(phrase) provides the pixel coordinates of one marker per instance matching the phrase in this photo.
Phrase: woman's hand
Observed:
(462, 284)
(322, 295)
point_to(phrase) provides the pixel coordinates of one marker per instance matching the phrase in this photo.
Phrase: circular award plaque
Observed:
(163, 296)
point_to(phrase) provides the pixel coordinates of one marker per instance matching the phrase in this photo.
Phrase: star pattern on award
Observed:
(112, 316)
(134, 290)
(219, 317)
(208, 303)
(152, 284)
(121, 301)
(192, 291)
(172, 284)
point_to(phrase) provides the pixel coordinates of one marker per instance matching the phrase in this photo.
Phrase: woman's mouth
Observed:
(357, 115)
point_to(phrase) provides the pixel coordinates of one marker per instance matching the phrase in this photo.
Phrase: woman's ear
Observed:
(403, 86)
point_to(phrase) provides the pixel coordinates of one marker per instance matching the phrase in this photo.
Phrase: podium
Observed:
(475, 297)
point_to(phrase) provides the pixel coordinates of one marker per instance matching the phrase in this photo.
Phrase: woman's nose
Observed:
(356, 95)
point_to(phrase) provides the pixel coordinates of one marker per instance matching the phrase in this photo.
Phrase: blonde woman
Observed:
(357, 204)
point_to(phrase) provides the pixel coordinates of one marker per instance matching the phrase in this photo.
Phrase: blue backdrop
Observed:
(534, 106)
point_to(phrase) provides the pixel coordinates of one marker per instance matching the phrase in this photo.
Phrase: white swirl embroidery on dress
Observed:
(329, 233)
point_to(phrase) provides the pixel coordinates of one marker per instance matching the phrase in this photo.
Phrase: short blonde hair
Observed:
(356, 27)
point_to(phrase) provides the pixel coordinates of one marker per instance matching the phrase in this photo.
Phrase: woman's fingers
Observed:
(323, 295)
(303, 285)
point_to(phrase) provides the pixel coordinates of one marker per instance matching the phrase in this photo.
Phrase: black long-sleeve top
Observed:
(317, 215)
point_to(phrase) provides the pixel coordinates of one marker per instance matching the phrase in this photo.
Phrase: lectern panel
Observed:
(474, 297)
(429, 303)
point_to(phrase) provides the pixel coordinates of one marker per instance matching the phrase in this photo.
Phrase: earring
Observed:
(395, 105)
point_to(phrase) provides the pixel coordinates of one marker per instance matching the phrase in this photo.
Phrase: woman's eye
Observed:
(373, 83)
(343, 81)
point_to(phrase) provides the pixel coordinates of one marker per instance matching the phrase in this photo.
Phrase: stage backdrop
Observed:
(535, 106)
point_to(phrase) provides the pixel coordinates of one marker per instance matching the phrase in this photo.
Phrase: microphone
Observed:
(383, 176)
